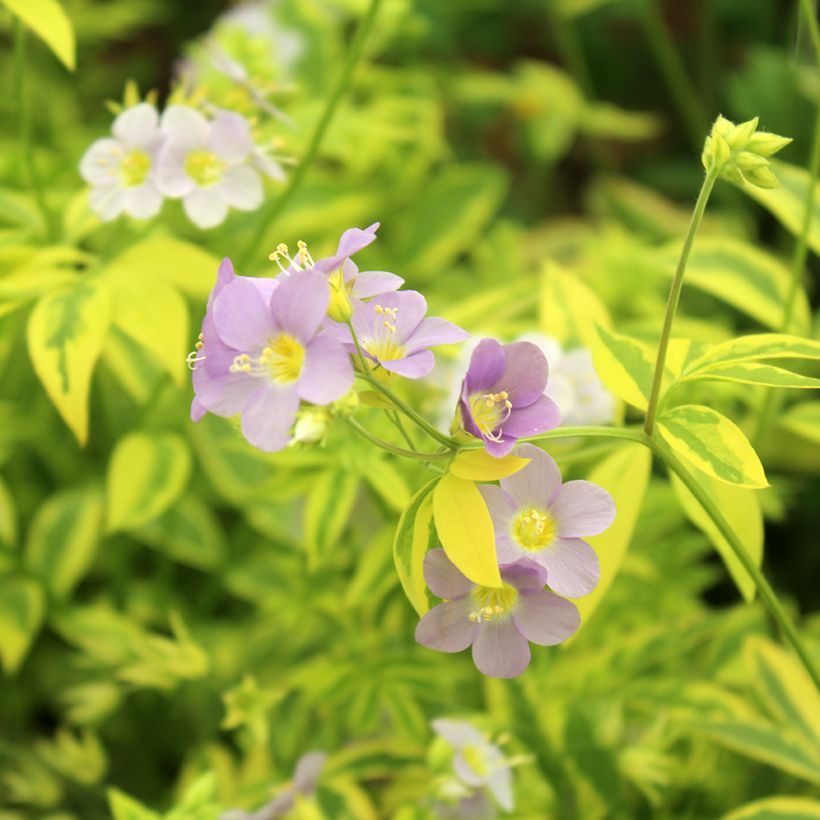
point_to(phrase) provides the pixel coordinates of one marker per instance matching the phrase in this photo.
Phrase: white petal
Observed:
(229, 136)
(100, 164)
(269, 167)
(242, 188)
(172, 180)
(143, 201)
(206, 207)
(185, 125)
(137, 127)
(107, 202)
(458, 733)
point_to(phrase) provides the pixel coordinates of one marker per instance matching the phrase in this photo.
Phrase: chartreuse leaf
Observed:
(8, 517)
(716, 446)
(803, 419)
(465, 529)
(415, 535)
(741, 508)
(625, 366)
(777, 808)
(65, 335)
(741, 275)
(756, 373)
(63, 538)
(146, 474)
(151, 311)
(786, 689)
(385, 480)
(327, 511)
(625, 475)
(22, 606)
(568, 308)
(756, 348)
(479, 465)
(48, 20)
(174, 261)
(124, 807)
(788, 201)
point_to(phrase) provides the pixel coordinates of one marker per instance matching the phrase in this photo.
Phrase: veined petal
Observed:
(502, 510)
(500, 650)
(525, 373)
(443, 577)
(299, 303)
(410, 307)
(572, 567)
(107, 201)
(546, 619)
(100, 164)
(458, 733)
(143, 201)
(242, 317)
(137, 127)
(435, 331)
(535, 418)
(242, 188)
(171, 177)
(327, 372)
(525, 575)
(414, 366)
(269, 415)
(447, 627)
(368, 283)
(537, 482)
(582, 508)
(485, 368)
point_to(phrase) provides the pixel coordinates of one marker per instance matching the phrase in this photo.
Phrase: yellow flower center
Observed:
(533, 529)
(476, 758)
(339, 309)
(281, 360)
(134, 168)
(383, 346)
(490, 411)
(493, 602)
(204, 167)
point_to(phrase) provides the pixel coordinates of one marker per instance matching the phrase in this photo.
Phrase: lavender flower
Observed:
(305, 777)
(496, 622)
(263, 352)
(537, 517)
(502, 395)
(348, 285)
(477, 762)
(122, 169)
(207, 164)
(393, 331)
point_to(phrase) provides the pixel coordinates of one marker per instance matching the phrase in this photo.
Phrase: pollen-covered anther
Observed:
(303, 255)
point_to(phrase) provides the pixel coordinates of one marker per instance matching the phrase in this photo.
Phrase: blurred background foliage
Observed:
(182, 617)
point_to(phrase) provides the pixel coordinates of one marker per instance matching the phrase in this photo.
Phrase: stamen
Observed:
(192, 360)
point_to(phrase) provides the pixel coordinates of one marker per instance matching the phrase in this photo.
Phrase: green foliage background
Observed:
(182, 617)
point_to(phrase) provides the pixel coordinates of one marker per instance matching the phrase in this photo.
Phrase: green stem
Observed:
(808, 10)
(391, 448)
(674, 298)
(24, 114)
(395, 418)
(671, 65)
(268, 214)
(767, 594)
(623, 433)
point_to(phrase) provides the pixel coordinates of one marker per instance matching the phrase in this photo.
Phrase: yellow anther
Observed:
(199, 345)
(498, 609)
(379, 309)
(282, 248)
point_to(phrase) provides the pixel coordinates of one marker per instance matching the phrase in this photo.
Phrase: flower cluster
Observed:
(269, 344)
(538, 523)
(211, 163)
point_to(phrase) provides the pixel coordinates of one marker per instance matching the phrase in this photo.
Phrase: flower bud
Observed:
(762, 176)
(766, 144)
(339, 308)
(740, 134)
(311, 426)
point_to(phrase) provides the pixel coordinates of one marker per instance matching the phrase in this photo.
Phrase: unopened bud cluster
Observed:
(739, 153)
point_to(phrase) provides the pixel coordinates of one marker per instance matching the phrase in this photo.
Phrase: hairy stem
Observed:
(24, 114)
(674, 298)
(268, 214)
(767, 594)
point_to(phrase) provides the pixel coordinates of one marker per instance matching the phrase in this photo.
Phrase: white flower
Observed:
(206, 163)
(122, 169)
(477, 762)
(574, 384)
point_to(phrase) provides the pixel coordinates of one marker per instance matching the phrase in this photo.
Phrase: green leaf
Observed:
(788, 201)
(777, 808)
(750, 280)
(465, 530)
(741, 508)
(124, 807)
(385, 480)
(151, 312)
(22, 607)
(713, 444)
(65, 335)
(449, 215)
(568, 308)
(329, 505)
(625, 366)
(625, 475)
(787, 690)
(415, 535)
(604, 120)
(479, 465)
(8, 517)
(146, 474)
(172, 261)
(48, 20)
(63, 537)
(803, 419)
(755, 373)
(189, 533)
(756, 348)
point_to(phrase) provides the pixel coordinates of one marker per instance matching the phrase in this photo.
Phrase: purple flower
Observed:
(305, 777)
(537, 517)
(263, 352)
(393, 331)
(348, 285)
(502, 397)
(496, 622)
